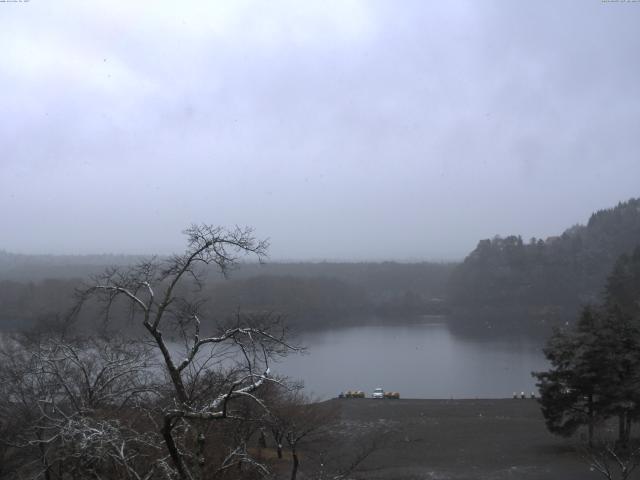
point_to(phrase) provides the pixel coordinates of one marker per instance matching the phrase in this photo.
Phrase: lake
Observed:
(419, 360)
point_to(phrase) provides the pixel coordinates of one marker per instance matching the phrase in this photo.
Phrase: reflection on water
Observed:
(419, 361)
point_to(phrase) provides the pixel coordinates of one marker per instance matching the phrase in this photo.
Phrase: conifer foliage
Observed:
(595, 366)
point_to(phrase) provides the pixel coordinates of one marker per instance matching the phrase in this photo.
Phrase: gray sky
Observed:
(338, 129)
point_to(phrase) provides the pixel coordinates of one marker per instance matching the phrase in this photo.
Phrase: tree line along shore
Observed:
(505, 285)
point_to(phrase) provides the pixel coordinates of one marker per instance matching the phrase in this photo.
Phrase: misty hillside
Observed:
(505, 284)
(34, 268)
(516, 284)
(308, 294)
(320, 294)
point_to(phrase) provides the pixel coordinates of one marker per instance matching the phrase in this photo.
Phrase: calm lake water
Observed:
(419, 361)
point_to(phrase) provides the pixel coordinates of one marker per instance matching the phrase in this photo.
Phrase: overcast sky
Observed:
(341, 130)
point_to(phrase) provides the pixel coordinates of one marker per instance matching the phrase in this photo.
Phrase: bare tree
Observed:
(65, 401)
(295, 418)
(210, 368)
(612, 461)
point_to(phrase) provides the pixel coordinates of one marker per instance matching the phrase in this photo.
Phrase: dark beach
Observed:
(460, 439)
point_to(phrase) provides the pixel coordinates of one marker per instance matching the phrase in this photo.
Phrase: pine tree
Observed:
(569, 391)
(595, 367)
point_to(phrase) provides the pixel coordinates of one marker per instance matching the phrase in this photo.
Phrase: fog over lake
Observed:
(420, 361)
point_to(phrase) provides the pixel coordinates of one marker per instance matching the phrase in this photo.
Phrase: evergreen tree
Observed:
(622, 305)
(595, 370)
(569, 392)
(622, 294)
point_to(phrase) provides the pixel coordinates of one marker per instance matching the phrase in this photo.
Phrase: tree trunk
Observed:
(174, 373)
(624, 425)
(45, 460)
(591, 420)
(621, 424)
(277, 437)
(294, 470)
(200, 439)
(175, 454)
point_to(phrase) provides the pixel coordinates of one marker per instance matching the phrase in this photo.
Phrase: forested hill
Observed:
(35, 268)
(308, 294)
(504, 284)
(508, 283)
